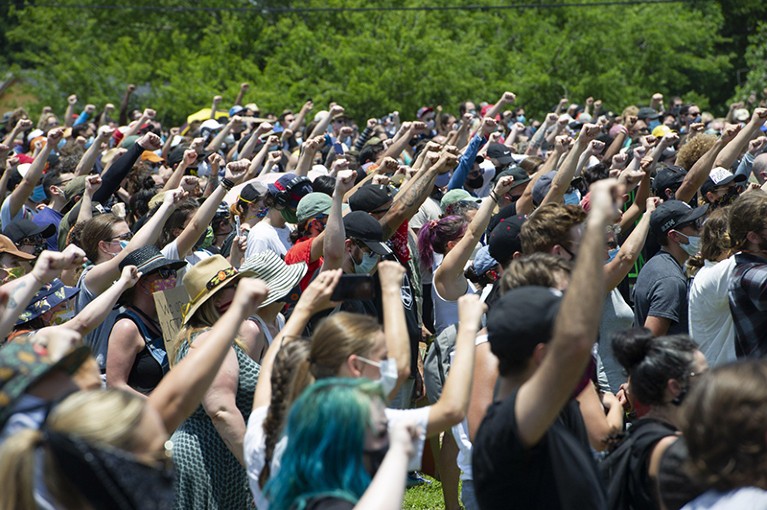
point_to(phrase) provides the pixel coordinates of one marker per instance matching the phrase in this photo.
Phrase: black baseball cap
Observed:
(670, 177)
(674, 214)
(521, 319)
(21, 229)
(647, 113)
(504, 239)
(500, 153)
(363, 227)
(519, 174)
(369, 198)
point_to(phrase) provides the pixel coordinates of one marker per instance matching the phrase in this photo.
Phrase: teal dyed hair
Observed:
(326, 431)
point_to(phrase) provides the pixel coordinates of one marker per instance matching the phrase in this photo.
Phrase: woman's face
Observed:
(377, 354)
(223, 298)
(121, 235)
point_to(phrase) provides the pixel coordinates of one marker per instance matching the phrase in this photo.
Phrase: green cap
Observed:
(456, 195)
(313, 205)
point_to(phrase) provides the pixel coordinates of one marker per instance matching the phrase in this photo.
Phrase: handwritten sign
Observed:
(170, 305)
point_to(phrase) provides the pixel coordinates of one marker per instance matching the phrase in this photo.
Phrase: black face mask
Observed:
(726, 199)
(475, 182)
(112, 478)
(375, 459)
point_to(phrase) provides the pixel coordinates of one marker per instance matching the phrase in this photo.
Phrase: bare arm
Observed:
(214, 106)
(308, 151)
(190, 157)
(125, 342)
(322, 126)
(333, 247)
(702, 168)
(659, 326)
(618, 268)
(485, 377)
(27, 185)
(575, 329)
(395, 328)
(733, 149)
(300, 116)
(506, 99)
(565, 174)
(71, 102)
(243, 88)
(97, 310)
(599, 426)
(85, 166)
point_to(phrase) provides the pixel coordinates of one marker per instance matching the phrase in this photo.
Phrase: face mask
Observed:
(262, 212)
(369, 261)
(572, 198)
(107, 477)
(726, 199)
(693, 245)
(653, 124)
(521, 118)
(388, 380)
(123, 245)
(475, 182)
(38, 195)
(161, 285)
(430, 124)
(206, 239)
(376, 458)
(473, 113)
(695, 120)
(289, 215)
(612, 253)
(62, 316)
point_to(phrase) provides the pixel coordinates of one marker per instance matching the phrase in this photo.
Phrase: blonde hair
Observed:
(203, 319)
(109, 417)
(339, 336)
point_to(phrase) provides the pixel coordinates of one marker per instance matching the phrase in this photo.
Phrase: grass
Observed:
(424, 497)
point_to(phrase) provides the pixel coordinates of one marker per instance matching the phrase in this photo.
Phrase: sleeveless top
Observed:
(151, 364)
(446, 311)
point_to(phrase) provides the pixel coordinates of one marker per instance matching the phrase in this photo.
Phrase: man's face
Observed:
(693, 114)
(288, 120)
(471, 108)
(12, 267)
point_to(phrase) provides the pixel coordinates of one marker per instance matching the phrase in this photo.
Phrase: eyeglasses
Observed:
(165, 273)
(123, 237)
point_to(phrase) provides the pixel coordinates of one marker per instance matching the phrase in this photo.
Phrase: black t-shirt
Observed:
(329, 503)
(557, 473)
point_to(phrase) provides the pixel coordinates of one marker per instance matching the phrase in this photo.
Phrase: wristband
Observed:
(227, 184)
(494, 196)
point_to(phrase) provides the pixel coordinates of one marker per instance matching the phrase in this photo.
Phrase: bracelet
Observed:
(227, 184)
(494, 196)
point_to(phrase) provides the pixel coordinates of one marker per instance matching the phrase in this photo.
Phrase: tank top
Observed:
(151, 364)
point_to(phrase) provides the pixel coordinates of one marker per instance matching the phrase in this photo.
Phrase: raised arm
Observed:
(575, 329)
(565, 174)
(322, 126)
(214, 106)
(85, 166)
(401, 143)
(124, 104)
(333, 249)
(449, 280)
(243, 88)
(27, 185)
(257, 163)
(458, 178)
(395, 328)
(506, 99)
(121, 167)
(452, 405)
(618, 268)
(234, 125)
(732, 150)
(97, 310)
(308, 151)
(190, 157)
(699, 172)
(71, 102)
(181, 390)
(538, 137)
(301, 115)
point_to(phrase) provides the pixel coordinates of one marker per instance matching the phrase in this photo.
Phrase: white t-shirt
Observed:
(254, 445)
(752, 498)
(265, 237)
(709, 317)
(429, 210)
(170, 252)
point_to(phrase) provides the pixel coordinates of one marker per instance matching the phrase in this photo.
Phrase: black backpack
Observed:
(620, 469)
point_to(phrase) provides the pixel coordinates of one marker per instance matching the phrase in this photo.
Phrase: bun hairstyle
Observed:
(652, 361)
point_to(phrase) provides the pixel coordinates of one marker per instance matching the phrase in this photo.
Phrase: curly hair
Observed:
(693, 150)
(550, 226)
(723, 424)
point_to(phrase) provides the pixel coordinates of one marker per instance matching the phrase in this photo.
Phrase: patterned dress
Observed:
(209, 476)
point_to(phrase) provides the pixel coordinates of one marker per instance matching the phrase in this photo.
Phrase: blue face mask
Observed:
(695, 120)
(262, 213)
(653, 124)
(611, 254)
(38, 195)
(572, 198)
(693, 245)
(369, 261)
(521, 118)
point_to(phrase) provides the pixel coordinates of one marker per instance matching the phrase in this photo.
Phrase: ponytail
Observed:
(435, 235)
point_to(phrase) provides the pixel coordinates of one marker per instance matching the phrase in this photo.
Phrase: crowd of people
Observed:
(572, 310)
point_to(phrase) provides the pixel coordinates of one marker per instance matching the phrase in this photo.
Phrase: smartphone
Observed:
(237, 226)
(354, 286)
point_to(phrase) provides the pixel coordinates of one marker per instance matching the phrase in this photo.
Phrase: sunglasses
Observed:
(123, 237)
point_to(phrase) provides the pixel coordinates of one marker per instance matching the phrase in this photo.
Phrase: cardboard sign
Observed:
(170, 305)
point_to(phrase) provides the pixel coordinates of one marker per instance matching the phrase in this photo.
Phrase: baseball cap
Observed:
(211, 124)
(500, 153)
(75, 187)
(369, 198)
(661, 131)
(670, 177)
(519, 174)
(150, 156)
(647, 113)
(363, 227)
(483, 261)
(521, 319)
(7, 246)
(313, 205)
(720, 176)
(456, 195)
(504, 239)
(23, 228)
(674, 214)
(542, 186)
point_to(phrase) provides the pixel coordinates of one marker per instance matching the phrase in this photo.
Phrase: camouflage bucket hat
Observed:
(24, 363)
(48, 297)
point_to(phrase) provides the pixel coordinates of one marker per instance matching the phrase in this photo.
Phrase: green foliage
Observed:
(756, 59)
(370, 62)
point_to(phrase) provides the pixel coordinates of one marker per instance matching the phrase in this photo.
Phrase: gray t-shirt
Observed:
(98, 339)
(661, 291)
(617, 315)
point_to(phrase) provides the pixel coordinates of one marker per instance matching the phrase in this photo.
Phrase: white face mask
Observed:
(388, 369)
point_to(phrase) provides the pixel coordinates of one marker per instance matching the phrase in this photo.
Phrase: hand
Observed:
(418, 127)
(489, 125)
(466, 119)
(72, 100)
(131, 88)
(50, 264)
(57, 340)
(150, 142)
(657, 97)
(272, 140)
(597, 105)
(275, 157)
(90, 109)
(262, 128)
(250, 293)
(244, 86)
(503, 185)
(517, 127)
(109, 107)
(623, 397)
(174, 131)
(344, 181)
(447, 161)
(759, 115)
(603, 197)
(217, 99)
(589, 101)
(336, 109)
(174, 197)
(729, 132)
(630, 121)
(129, 276)
(588, 133)
(382, 180)
(239, 247)
(54, 137)
(4, 150)
(23, 124)
(236, 122)
(494, 137)
(215, 160)
(648, 141)
(652, 204)
(190, 184)
(390, 274)
(389, 165)
(669, 139)
(149, 113)
(197, 144)
(286, 134)
(551, 118)
(596, 146)
(235, 171)
(317, 295)
(562, 121)
(562, 143)
(372, 123)
(470, 310)
(403, 436)
(81, 141)
(639, 152)
(345, 132)
(697, 127)
(609, 400)
(190, 157)
(754, 146)
(92, 184)
(105, 133)
(563, 102)
(339, 164)
(508, 97)
(632, 177)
